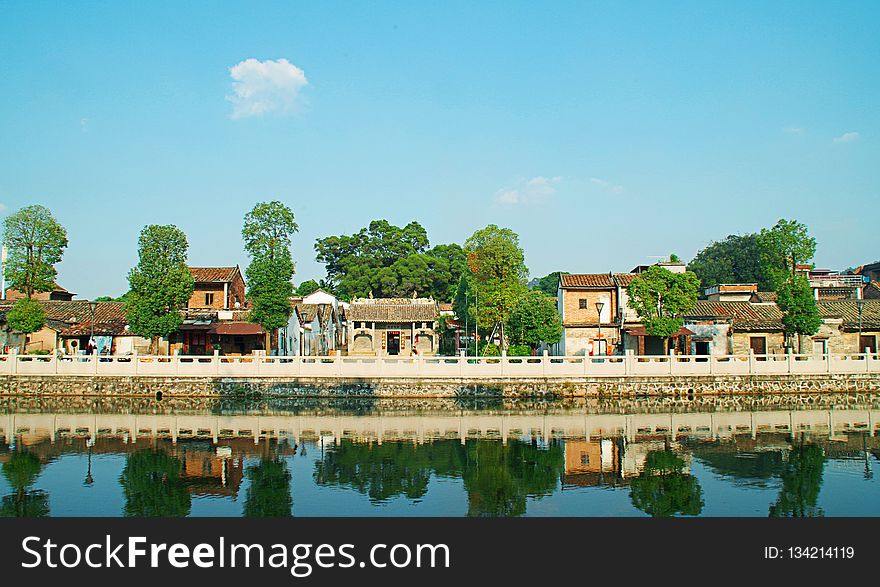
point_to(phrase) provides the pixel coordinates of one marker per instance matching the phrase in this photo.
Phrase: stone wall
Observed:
(442, 388)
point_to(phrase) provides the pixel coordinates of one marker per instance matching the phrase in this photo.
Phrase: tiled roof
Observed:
(595, 280)
(848, 311)
(765, 296)
(744, 315)
(393, 310)
(213, 274)
(445, 307)
(74, 318)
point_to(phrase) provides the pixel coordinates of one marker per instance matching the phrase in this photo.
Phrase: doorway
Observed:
(758, 344)
(867, 344)
(394, 343)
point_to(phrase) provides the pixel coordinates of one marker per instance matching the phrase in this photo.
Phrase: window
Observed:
(209, 299)
(582, 304)
(867, 343)
(585, 458)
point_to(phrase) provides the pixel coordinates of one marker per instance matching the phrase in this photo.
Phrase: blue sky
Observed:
(605, 133)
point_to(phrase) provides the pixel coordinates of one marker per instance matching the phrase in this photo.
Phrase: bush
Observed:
(519, 350)
(489, 350)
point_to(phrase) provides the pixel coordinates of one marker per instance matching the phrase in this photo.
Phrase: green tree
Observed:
(267, 231)
(663, 489)
(390, 261)
(800, 314)
(153, 487)
(497, 274)
(801, 483)
(21, 471)
(307, 287)
(549, 284)
(661, 298)
(35, 243)
(268, 495)
(784, 247)
(736, 259)
(26, 316)
(534, 320)
(161, 284)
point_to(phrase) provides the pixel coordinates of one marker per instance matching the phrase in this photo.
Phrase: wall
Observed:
(573, 314)
(197, 300)
(775, 342)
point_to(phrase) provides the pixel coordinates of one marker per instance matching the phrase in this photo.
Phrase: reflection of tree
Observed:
(801, 483)
(22, 470)
(497, 477)
(268, 495)
(153, 486)
(750, 468)
(663, 489)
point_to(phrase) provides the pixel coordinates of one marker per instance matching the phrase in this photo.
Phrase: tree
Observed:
(736, 259)
(497, 274)
(26, 316)
(549, 284)
(662, 488)
(35, 242)
(267, 231)
(390, 261)
(784, 247)
(161, 284)
(534, 320)
(307, 287)
(661, 297)
(153, 487)
(268, 495)
(800, 315)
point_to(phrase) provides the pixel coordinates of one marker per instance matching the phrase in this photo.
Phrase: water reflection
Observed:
(439, 458)
(21, 470)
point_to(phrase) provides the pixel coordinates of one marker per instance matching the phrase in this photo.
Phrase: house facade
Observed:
(393, 327)
(593, 309)
(217, 288)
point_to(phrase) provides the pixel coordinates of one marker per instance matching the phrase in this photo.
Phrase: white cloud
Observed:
(533, 191)
(606, 185)
(84, 124)
(262, 87)
(847, 137)
(3, 208)
(793, 130)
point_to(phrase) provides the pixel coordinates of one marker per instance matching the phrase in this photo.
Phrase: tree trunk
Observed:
(154, 345)
(268, 343)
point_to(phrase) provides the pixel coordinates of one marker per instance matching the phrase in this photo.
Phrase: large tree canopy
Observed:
(661, 297)
(267, 233)
(800, 315)
(736, 259)
(35, 242)
(549, 284)
(161, 283)
(784, 247)
(389, 261)
(534, 320)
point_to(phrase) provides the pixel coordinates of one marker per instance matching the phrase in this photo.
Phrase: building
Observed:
(58, 294)
(393, 326)
(593, 310)
(229, 332)
(316, 326)
(217, 288)
(848, 326)
(722, 327)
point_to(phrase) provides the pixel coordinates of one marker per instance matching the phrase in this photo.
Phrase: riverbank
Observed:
(427, 387)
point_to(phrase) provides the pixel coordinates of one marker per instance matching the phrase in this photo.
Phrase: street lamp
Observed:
(599, 306)
(92, 307)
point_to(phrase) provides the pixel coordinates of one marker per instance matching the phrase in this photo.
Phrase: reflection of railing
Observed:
(437, 367)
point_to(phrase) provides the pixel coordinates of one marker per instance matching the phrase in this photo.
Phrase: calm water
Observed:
(789, 456)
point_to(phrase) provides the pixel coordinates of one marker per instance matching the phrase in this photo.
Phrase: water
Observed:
(756, 456)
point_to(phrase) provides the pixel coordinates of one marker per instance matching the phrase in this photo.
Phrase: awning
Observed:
(640, 331)
(237, 328)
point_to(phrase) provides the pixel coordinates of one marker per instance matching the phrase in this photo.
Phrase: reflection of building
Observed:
(593, 462)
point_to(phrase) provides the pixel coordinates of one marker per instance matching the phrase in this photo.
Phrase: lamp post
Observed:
(599, 306)
(92, 307)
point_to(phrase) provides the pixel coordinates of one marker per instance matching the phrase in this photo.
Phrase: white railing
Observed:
(437, 367)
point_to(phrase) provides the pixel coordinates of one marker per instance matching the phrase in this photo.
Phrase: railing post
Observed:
(13, 361)
(671, 360)
(136, 360)
(544, 360)
(751, 361)
(55, 361)
(216, 362)
(337, 362)
(827, 360)
(503, 360)
(420, 360)
(96, 359)
(629, 361)
(789, 359)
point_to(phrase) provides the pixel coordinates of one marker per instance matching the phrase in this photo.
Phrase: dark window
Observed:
(209, 299)
(867, 342)
(585, 458)
(582, 304)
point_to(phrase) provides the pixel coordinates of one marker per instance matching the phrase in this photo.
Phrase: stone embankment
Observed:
(627, 386)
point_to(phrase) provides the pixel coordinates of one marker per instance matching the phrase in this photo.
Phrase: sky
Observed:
(606, 134)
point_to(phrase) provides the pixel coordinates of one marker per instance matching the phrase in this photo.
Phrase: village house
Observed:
(392, 326)
(70, 324)
(316, 326)
(593, 309)
(58, 294)
(217, 288)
